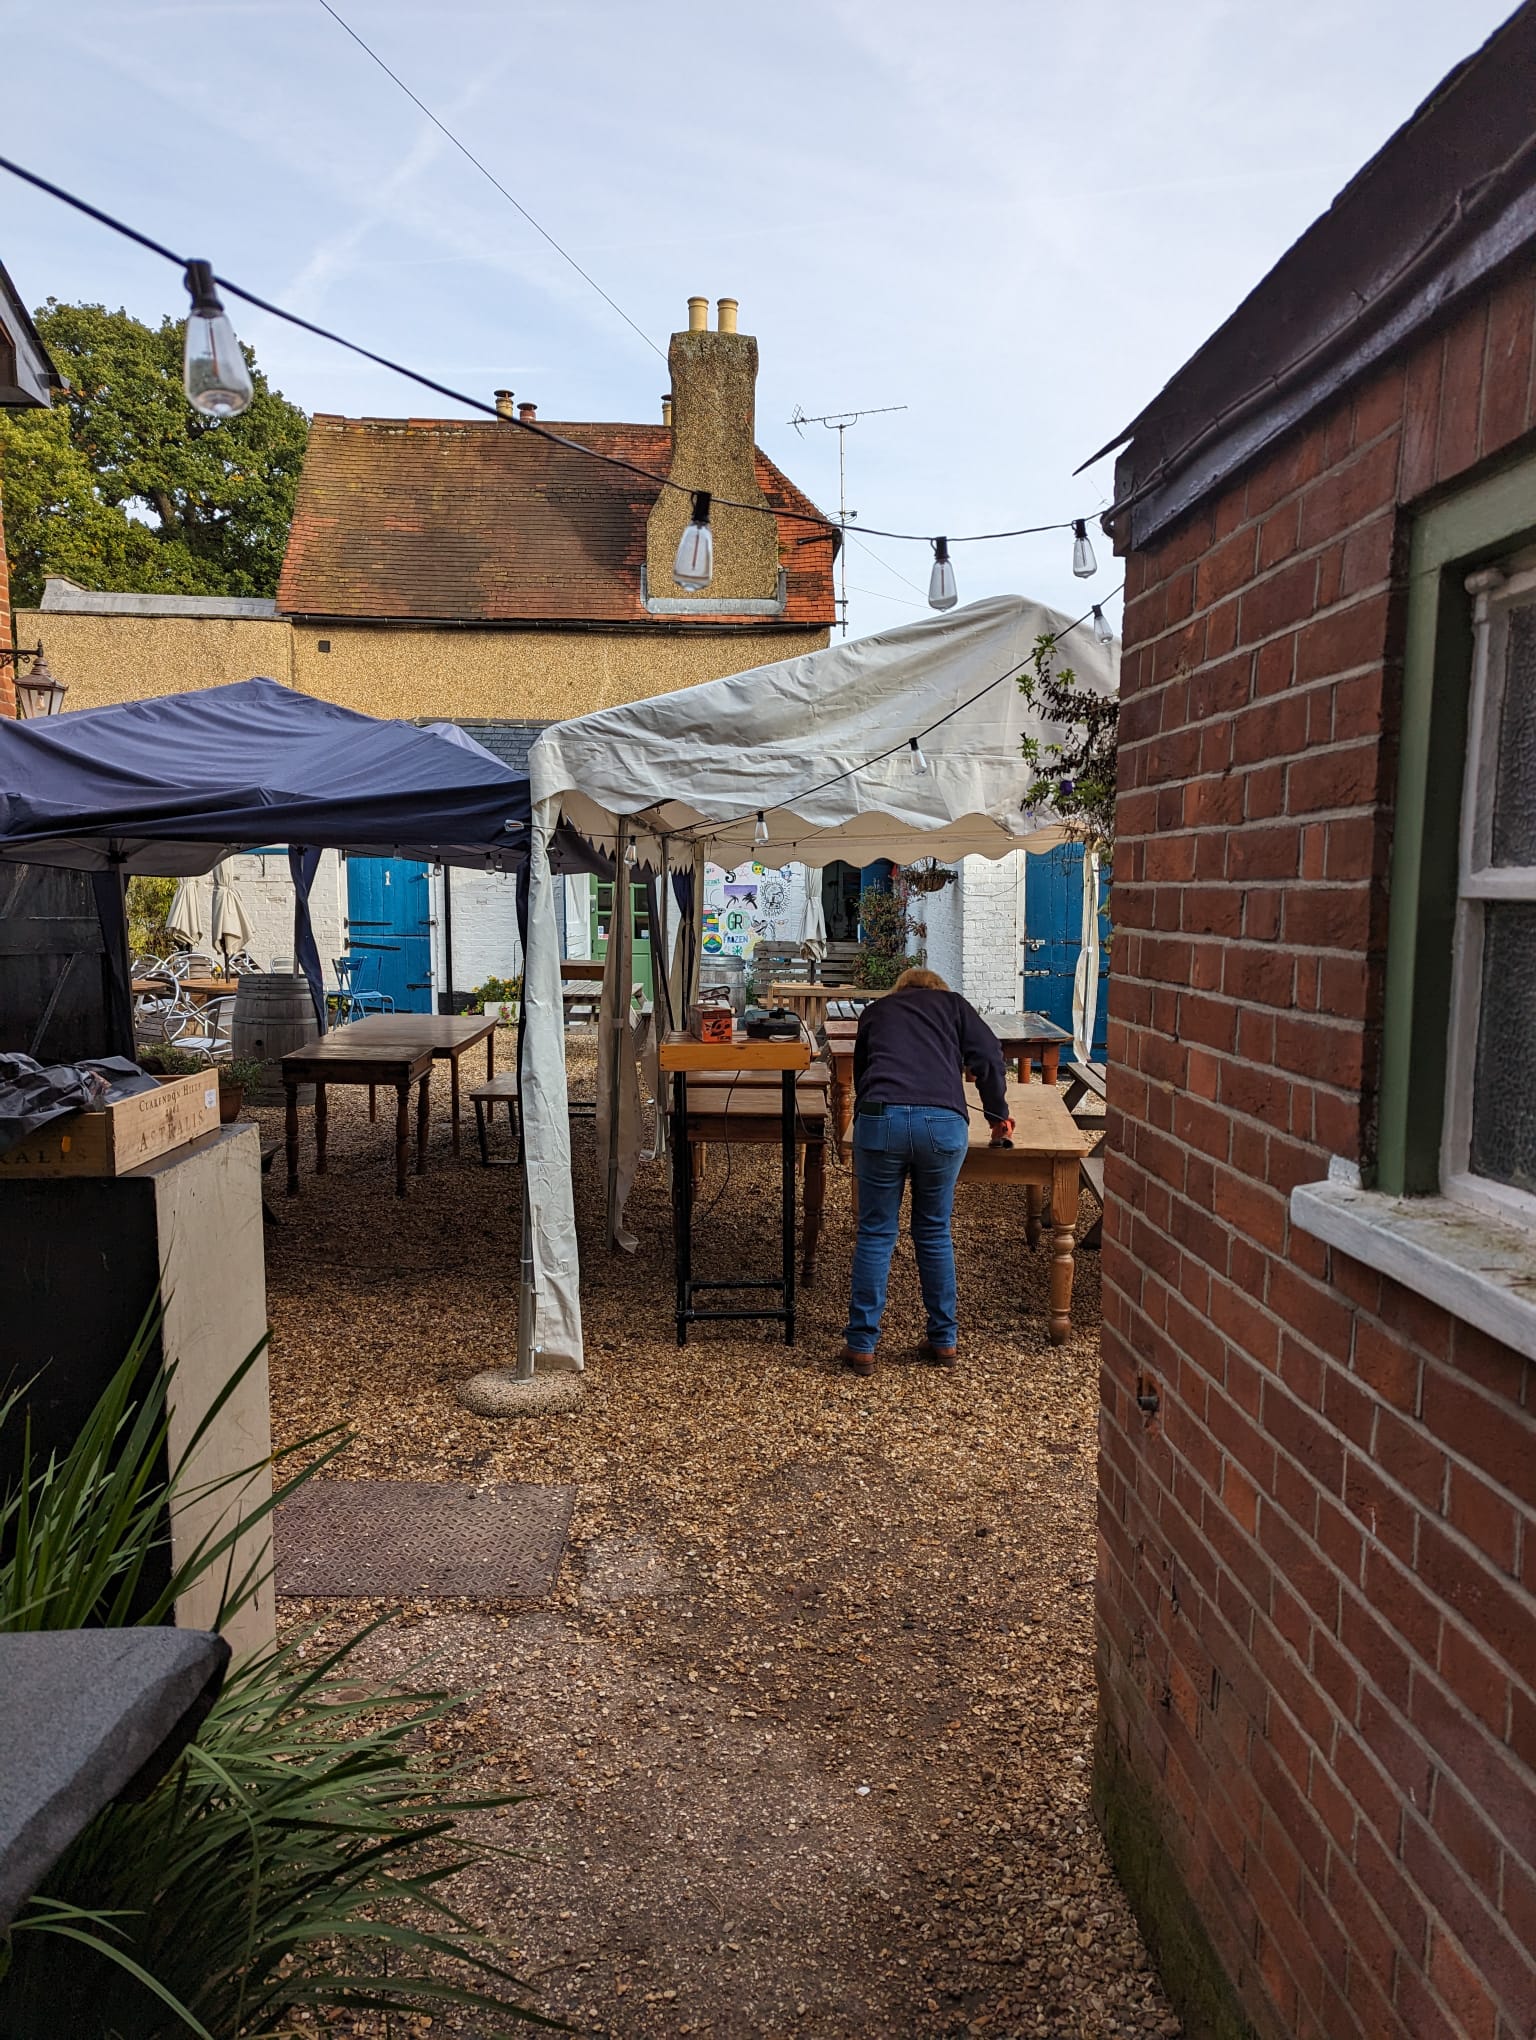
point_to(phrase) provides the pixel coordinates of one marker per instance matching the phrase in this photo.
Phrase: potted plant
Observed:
(165, 1061)
(240, 1074)
(499, 999)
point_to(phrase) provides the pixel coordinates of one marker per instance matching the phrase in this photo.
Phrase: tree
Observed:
(123, 485)
(1075, 771)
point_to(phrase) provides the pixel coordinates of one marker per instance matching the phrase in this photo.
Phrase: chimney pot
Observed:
(527, 412)
(698, 315)
(727, 309)
(666, 409)
(504, 403)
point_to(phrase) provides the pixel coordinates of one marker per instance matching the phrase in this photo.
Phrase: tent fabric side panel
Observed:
(546, 1124)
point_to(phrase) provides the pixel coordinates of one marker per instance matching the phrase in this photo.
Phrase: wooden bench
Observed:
(497, 1090)
(749, 1114)
(1085, 1081)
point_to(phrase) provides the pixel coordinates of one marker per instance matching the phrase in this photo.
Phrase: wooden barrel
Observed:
(273, 1013)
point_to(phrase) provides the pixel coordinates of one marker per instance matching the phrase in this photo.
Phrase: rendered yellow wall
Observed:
(540, 675)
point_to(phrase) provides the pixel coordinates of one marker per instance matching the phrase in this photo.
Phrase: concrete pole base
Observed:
(498, 1393)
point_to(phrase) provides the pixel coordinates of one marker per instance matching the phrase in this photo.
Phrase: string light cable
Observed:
(912, 745)
(827, 527)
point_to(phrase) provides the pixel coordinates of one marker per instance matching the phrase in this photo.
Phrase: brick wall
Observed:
(7, 666)
(1317, 1600)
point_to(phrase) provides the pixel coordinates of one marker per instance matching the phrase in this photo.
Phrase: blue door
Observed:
(1053, 926)
(389, 929)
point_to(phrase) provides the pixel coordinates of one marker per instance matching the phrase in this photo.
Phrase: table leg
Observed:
(453, 1098)
(1023, 1065)
(423, 1121)
(815, 1198)
(485, 1153)
(682, 1202)
(787, 1220)
(1034, 1197)
(402, 1133)
(322, 1128)
(373, 1102)
(1063, 1222)
(291, 1135)
(842, 1113)
(1050, 1060)
(490, 1053)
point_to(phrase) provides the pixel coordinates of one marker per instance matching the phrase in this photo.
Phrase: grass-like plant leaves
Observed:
(295, 1855)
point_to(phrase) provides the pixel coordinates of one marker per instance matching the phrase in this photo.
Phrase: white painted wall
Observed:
(754, 903)
(975, 929)
(266, 891)
(485, 940)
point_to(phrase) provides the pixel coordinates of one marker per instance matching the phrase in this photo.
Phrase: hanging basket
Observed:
(929, 877)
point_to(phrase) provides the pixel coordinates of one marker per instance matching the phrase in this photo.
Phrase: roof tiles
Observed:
(417, 519)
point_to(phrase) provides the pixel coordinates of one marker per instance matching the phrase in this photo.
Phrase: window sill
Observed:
(1477, 1267)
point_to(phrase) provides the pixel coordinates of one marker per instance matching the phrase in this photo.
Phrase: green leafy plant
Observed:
(1075, 771)
(886, 927)
(149, 907)
(496, 991)
(167, 1060)
(241, 1073)
(294, 1856)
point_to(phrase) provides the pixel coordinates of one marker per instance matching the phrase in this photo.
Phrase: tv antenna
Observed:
(838, 422)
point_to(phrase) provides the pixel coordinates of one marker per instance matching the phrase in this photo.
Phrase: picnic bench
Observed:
(787, 963)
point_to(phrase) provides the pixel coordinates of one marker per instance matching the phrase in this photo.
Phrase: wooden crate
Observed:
(121, 1136)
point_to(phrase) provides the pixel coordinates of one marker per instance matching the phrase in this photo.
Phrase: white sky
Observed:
(1016, 218)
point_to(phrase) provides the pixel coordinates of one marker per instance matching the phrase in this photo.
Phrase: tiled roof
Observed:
(509, 741)
(477, 523)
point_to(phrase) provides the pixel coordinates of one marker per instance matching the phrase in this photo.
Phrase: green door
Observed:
(640, 933)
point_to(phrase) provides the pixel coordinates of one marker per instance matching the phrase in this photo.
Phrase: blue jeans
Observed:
(926, 1143)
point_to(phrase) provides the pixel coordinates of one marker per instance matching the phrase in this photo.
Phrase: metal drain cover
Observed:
(346, 1538)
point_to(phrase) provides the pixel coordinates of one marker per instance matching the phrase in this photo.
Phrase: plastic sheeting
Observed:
(820, 747)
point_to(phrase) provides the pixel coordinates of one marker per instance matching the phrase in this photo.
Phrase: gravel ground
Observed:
(808, 1715)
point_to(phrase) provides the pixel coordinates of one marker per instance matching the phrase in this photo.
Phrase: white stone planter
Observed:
(503, 1009)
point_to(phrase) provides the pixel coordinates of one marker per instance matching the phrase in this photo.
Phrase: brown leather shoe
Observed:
(938, 1356)
(857, 1363)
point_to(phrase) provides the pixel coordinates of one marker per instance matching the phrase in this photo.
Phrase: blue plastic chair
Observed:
(355, 999)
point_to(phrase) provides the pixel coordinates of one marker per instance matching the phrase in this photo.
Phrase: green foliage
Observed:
(149, 906)
(242, 1072)
(169, 1061)
(294, 1855)
(495, 991)
(121, 484)
(1074, 772)
(886, 925)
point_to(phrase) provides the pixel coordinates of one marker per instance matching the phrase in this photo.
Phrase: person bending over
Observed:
(911, 1122)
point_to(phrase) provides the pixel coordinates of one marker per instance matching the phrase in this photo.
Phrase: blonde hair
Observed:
(917, 979)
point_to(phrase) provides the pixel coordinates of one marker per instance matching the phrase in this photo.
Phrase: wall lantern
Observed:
(37, 692)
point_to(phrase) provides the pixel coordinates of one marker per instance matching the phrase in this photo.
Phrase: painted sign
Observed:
(752, 903)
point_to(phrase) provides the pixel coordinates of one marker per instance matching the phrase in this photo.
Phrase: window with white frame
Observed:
(1489, 1153)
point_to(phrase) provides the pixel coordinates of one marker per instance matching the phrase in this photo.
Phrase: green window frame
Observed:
(1477, 525)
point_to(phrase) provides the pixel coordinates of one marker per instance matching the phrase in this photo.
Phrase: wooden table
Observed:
(680, 1056)
(339, 1058)
(1048, 1148)
(190, 987)
(839, 1053)
(1027, 1035)
(444, 1036)
(808, 1002)
(589, 970)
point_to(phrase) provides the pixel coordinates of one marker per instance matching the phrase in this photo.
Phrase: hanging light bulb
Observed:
(760, 833)
(919, 762)
(213, 372)
(1101, 626)
(631, 854)
(1083, 561)
(942, 592)
(694, 566)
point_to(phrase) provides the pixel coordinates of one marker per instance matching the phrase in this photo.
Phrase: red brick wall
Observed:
(1317, 1603)
(7, 666)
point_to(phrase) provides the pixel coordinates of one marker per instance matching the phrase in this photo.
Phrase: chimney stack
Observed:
(711, 406)
(527, 413)
(504, 403)
(666, 409)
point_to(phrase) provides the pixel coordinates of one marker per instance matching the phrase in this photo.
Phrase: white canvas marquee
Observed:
(820, 747)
